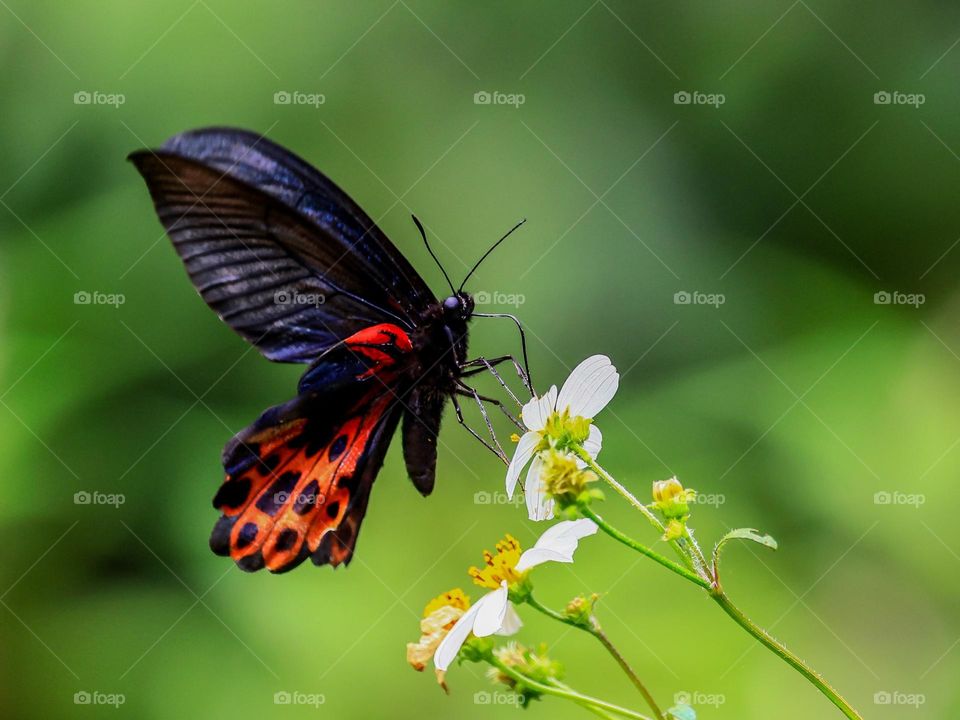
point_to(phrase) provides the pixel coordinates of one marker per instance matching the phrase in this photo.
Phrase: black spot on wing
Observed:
(247, 534)
(276, 496)
(220, 537)
(232, 494)
(252, 562)
(307, 498)
(286, 540)
(339, 445)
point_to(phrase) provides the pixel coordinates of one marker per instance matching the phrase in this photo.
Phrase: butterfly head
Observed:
(458, 306)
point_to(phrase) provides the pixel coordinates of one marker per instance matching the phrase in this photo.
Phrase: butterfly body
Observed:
(295, 267)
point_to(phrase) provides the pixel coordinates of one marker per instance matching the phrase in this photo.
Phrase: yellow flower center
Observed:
(563, 478)
(499, 566)
(563, 430)
(455, 598)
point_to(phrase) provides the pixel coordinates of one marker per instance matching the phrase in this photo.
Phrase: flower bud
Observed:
(580, 610)
(672, 499)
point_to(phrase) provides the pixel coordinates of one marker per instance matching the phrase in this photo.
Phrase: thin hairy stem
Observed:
(780, 650)
(617, 535)
(563, 691)
(595, 630)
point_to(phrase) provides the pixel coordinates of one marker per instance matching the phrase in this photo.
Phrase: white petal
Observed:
(450, 645)
(536, 412)
(594, 442)
(591, 385)
(539, 506)
(492, 608)
(528, 442)
(511, 622)
(557, 544)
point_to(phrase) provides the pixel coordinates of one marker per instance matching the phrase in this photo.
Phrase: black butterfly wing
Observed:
(274, 247)
(282, 174)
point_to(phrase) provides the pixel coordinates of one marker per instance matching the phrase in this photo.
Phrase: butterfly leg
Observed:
(527, 377)
(490, 366)
(498, 451)
(467, 391)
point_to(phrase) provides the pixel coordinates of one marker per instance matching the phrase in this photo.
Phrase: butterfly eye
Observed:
(451, 303)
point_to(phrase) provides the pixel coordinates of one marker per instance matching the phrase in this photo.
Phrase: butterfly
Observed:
(297, 269)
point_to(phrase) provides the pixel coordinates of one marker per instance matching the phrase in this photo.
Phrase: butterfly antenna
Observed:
(423, 234)
(492, 248)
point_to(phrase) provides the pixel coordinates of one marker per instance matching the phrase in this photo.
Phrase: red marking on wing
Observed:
(382, 345)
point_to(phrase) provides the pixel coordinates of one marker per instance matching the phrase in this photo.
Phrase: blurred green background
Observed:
(785, 188)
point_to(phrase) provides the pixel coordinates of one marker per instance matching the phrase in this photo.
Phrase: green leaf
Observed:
(682, 712)
(742, 534)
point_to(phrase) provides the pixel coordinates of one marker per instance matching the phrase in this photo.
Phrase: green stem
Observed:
(708, 582)
(598, 712)
(563, 691)
(612, 482)
(622, 490)
(653, 555)
(595, 630)
(782, 652)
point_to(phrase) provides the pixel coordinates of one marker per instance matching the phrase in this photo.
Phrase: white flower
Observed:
(494, 613)
(591, 385)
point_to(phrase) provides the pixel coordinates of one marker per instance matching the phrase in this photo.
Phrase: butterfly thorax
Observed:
(441, 339)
